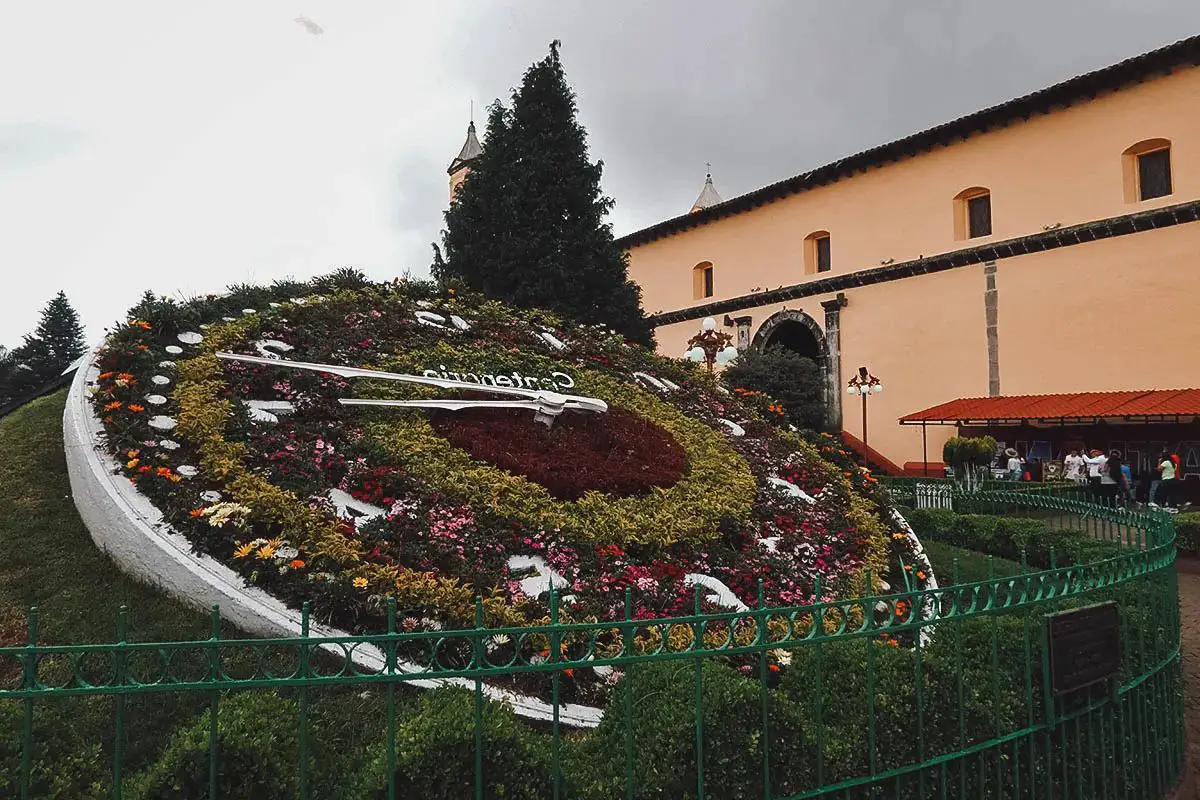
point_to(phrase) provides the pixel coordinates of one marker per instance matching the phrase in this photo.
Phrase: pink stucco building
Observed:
(1050, 244)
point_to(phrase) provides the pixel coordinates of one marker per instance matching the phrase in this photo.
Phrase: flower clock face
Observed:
(353, 446)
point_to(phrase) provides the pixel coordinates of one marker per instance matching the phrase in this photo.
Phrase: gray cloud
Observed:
(768, 89)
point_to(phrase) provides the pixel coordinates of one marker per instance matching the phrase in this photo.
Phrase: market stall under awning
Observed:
(1164, 415)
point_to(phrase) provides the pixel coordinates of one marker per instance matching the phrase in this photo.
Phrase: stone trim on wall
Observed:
(1112, 227)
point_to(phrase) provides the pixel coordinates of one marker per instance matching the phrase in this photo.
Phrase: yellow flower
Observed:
(243, 551)
(360, 583)
(131, 463)
(266, 551)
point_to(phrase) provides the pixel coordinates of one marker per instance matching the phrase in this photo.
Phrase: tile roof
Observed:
(1055, 407)
(1184, 53)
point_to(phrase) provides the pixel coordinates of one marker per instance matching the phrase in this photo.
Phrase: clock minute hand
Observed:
(453, 405)
(577, 401)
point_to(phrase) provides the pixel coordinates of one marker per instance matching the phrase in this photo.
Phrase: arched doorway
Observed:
(801, 334)
(796, 331)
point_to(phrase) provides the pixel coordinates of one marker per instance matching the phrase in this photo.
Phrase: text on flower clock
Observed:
(556, 380)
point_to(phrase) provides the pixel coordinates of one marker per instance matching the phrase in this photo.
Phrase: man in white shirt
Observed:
(1073, 467)
(1096, 462)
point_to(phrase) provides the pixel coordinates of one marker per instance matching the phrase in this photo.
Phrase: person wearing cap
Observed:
(1014, 464)
(1096, 462)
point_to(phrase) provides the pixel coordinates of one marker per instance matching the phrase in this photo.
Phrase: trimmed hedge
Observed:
(435, 753)
(1187, 533)
(257, 753)
(64, 764)
(1007, 537)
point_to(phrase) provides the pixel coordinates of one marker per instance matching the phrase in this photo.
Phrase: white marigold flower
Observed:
(784, 657)
(497, 641)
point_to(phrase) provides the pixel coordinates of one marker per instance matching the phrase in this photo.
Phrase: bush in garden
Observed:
(1007, 537)
(257, 754)
(1187, 533)
(435, 753)
(789, 378)
(64, 763)
(664, 717)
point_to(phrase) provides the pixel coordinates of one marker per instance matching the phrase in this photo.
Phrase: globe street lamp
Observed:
(710, 345)
(864, 384)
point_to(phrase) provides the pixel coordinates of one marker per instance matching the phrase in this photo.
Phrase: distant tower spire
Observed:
(708, 195)
(470, 151)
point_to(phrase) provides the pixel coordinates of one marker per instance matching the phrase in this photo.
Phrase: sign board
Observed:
(1085, 646)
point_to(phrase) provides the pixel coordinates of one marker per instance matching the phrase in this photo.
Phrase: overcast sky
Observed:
(185, 146)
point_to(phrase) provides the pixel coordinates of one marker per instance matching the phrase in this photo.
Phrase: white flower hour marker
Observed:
(162, 423)
(173, 349)
(190, 337)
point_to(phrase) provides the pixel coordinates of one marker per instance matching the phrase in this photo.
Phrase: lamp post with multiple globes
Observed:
(864, 384)
(710, 345)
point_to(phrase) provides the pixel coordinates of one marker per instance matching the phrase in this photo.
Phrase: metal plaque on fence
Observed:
(1085, 646)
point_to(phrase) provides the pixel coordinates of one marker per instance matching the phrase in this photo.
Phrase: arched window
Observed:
(702, 280)
(1146, 167)
(817, 255)
(973, 213)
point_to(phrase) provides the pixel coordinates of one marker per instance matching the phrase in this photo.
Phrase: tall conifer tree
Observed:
(55, 343)
(527, 225)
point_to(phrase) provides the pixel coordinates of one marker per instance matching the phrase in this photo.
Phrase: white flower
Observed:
(286, 553)
(784, 657)
(497, 641)
(233, 514)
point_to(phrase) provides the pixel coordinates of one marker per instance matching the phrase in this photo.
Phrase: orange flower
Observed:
(144, 468)
(132, 454)
(164, 472)
(139, 323)
(135, 408)
(921, 574)
(243, 551)
(126, 376)
(131, 463)
(196, 512)
(114, 405)
(103, 376)
(773, 667)
(360, 583)
(142, 347)
(297, 563)
(175, 478)
(908, 567)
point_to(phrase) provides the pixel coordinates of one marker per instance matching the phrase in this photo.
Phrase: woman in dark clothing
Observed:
(1112, 481)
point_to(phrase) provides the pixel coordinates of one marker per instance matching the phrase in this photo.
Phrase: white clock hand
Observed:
(578, 401)
(458, 405)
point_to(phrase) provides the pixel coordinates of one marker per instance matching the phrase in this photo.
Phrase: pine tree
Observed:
(51, 348)
(527, 226)
(787, 377)
(7, 366)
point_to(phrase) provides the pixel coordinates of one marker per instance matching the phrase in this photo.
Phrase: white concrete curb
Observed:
(126, 525)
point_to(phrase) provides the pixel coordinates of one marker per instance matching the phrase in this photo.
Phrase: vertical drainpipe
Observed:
(991, 318)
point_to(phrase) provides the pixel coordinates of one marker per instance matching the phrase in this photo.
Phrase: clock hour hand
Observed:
(542, 400)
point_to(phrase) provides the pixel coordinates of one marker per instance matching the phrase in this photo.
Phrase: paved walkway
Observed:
(1189, 609)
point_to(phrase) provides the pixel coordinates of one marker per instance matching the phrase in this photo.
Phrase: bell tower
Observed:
(461, 164)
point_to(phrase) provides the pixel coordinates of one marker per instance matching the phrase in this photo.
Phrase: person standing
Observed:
(1096, 462)
(1156, 477)
(1073, 467)
(1110, 479)
(1169, 475)
(1014, 464)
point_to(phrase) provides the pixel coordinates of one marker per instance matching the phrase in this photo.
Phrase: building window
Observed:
(979, 216)
(817, 256)
(702, 280)
(1147, 170)
(1154, 174)
(973, 213)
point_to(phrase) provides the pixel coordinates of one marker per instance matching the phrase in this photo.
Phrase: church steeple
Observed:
(708, 195)
(461, 164)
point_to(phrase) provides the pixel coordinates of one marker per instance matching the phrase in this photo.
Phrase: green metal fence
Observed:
(944, 693)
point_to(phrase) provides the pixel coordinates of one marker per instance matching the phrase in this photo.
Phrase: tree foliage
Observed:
(791, 379)
(46, 353)
(527, 225)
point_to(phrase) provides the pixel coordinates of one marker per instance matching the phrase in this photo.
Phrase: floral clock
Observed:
(343, 443)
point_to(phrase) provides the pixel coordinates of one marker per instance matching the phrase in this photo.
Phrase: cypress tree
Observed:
(527, 225)
(51, 348)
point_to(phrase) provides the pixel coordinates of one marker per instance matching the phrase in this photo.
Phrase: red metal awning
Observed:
(1156, 405)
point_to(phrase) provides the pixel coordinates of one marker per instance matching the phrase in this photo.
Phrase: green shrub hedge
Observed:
(64, 764)
(1187, 533)
(257, 754)
(435, 753)
(1007, 537)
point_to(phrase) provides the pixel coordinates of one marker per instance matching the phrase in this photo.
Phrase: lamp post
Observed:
(710, 345)
(864, 384)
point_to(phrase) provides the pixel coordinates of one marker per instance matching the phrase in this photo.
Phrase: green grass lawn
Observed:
(50, 562)
(972, 566)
